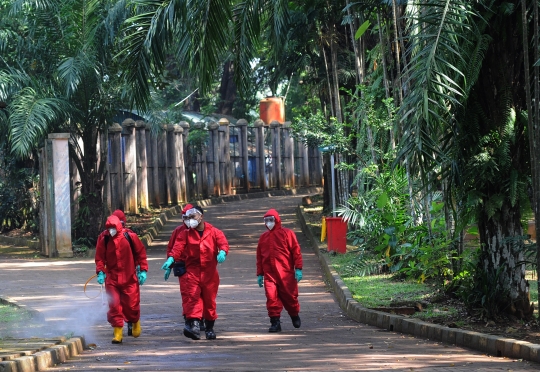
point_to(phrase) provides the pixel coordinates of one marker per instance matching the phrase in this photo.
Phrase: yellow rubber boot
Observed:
(136, 332)
(117, 339)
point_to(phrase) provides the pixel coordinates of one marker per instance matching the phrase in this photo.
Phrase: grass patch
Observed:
(438, 312)
(382, 290)
(377, 290)
(9, 314)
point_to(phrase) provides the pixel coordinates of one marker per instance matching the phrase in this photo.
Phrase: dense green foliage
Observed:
(421, 104)
(19, 196)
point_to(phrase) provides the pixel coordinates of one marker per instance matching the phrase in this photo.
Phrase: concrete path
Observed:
(327, 340)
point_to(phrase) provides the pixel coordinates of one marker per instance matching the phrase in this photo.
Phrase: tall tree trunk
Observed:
(536, 126)
(502, 252)
(352, 27)
(327, 77)
(227, 90)
(500, 87)
(385, 76)
(334, 67)
(533, 130)
(399, 86)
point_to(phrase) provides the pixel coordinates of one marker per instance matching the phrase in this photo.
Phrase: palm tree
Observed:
(463, 117)
(60, 75)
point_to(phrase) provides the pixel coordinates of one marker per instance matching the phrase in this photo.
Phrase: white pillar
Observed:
(60, 213)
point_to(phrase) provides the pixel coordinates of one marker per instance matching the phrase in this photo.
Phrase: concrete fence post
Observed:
(57, 194)
(183, 156)
(276, 153)
(213, 127)
(188, 161)
(242, 124)
(260, 154)
(116, 171)
(226, 167)
(130, 166)
(305, 164)
(142, 166)
(172, 164)
(163, 180)
(179, 163)
(203, 166)
(103, 156)
(153, 169)
(288, 158)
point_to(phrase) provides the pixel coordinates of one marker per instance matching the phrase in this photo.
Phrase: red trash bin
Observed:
(336, 234)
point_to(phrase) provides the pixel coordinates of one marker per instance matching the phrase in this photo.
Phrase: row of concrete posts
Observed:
(145, 169)
(159, 170)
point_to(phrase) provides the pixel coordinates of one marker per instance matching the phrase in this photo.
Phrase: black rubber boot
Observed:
(276, 325)
(296, 321)
(210, 334)
(192, 330)
(130, 329)
(202, 325)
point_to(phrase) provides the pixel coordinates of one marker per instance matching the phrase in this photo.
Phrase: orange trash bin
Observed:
(336, 233)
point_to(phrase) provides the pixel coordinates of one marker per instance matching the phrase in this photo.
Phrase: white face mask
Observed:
(112, 231)
(270, 225)
(186, 222)
(193, 223)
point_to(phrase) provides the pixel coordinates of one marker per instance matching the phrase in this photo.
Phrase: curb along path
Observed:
(489, 344)
(327, 341)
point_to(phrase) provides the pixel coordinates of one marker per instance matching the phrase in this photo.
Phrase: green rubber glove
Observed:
(260, 280)
(167, 264)
(167, 273)
(298, 275)
(142, 277)
(101, 277)
(221, 256)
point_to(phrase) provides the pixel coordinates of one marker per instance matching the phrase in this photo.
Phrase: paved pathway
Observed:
(327, 340)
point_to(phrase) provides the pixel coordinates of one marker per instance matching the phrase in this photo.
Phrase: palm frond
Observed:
(30, 115)
(250, 18)
(442, 32)
(143, 49)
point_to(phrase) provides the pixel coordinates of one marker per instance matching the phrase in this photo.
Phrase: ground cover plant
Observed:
(13, 314)
(376, 287)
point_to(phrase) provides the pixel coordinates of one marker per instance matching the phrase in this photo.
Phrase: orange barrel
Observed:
(336, 231)
(272, 108)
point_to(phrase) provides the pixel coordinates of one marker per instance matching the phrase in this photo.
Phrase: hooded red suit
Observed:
(278, 255)
(199, 285)
(177, 231)
(118, 262)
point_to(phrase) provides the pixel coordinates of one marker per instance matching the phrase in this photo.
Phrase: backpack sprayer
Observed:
(106, 239)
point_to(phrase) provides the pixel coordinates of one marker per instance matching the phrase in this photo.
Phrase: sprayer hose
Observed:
(85, 284)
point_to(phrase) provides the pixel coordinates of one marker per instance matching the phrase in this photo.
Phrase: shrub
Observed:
(19, 197)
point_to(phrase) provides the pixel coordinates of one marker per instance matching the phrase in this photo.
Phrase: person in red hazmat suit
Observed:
(201, 247)
(122, 217)
(116, 263)
(279, 267)
(172, 239)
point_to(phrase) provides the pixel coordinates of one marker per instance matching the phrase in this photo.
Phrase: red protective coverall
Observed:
(173, 238)
(278, 255)
(177, 231)
(199, 285)
(121, 283)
